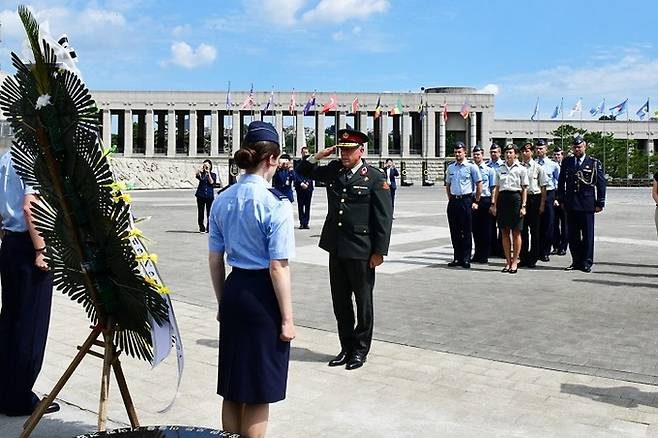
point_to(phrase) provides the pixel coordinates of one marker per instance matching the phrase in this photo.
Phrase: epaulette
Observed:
(278, 194)
(222, 189)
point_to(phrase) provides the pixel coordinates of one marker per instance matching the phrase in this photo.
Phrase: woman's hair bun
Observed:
(245, 158)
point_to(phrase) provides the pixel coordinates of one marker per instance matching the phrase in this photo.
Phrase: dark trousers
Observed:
(496, 240)
(460, 223)
(530, 233)
(546, 225)
(347, 277)
(304, 206)
(560, 230)
(581, 237)
(393, 197)
(201, 205)
(482, 230)
(24, 319)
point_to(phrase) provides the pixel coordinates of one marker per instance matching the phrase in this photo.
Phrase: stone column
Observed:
(319, 131)
(107, 128)
(300, 136)
(431, 134)
(363, 127)
(473, 123)
(485, 126)
(193, 134)
(278, 121)
(128, 133)
(214, 132)
(405, 134)
(150, 143)
(650, 145)
(383, 135)
(340, 119)
(171, 132)
(235, 134)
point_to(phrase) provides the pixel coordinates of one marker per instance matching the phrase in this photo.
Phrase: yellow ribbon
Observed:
(124, 196)
(144, 257)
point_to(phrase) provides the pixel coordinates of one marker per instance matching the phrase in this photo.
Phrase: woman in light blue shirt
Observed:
(252, 224)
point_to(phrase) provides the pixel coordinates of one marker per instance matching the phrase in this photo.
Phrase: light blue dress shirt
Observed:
(495, 165)
(488, 175)
(462, 178)
(251, 225)
(12, 196)
(552, 170)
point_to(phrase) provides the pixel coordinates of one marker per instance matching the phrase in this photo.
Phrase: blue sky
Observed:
(519, 49)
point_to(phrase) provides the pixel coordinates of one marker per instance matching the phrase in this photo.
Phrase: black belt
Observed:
(534, 194)
(470, 195)
(14, 233)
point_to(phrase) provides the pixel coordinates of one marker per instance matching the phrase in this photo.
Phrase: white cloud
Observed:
(280, 12)
(342, 36)
(181, 30)
(338, 11)
(489, 89)
(182, 54)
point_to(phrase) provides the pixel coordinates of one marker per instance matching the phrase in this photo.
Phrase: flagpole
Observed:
(628, 124)
(562, 126)
(648, 139)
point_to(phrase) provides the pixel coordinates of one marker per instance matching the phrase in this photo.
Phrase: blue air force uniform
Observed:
(252, 224)
(26, 299)
(463, 184)
(581, 190)
(358, 225)
(482, 217)
(284, 180)
(496, 238)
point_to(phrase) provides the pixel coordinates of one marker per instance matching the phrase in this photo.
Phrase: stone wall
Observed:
(179, 173)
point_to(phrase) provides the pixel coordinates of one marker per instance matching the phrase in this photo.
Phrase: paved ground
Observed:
(459, 353)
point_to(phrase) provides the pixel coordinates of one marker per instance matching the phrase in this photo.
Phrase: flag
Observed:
(620, 108)
(466, 110)
(535, 113)
(355, 105)
(228, 97)
(309, 104)
(558, 109)
(291, 106)
(270, 100)
(577, 108)
(445, 112)
(378, 107)
(644, 110)
(329, 105)
(421, 110)
(249, 101)
(396, 110)
(600, 109)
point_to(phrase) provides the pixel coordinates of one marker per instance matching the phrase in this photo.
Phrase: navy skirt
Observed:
(253, 361)
(509, 210)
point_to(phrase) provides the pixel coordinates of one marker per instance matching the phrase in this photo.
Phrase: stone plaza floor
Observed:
(457, 353)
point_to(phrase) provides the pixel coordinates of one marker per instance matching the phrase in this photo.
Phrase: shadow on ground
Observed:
(625, 396)
(48, 427)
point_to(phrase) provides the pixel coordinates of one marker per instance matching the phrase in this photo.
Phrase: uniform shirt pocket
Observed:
(361, 229)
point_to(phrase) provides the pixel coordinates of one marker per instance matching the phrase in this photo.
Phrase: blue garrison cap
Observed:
(460, 145)
(541, 142)
(478, 148)
(578, 139)
(261, 131)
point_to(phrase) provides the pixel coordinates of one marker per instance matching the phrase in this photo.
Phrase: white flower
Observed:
(42, 101)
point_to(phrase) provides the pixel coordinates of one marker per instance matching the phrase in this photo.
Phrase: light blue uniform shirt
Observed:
(552, 170)
(495, 165)
(251, 225)
(12, 196)
(462, 178)
(488, 179)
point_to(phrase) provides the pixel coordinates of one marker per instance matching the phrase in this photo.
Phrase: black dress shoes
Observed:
(586, 269)
(466, 265)
(454, 263)
(572, 268)
(545, 258)
(340, 359)
(561, 252)
(356, 361)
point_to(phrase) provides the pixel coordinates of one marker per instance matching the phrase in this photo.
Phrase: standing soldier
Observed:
(536, 201)
(560, 235)
(356, 233)
(284, 177)
(547, 219)
(481, 216)
(304, 189)
(581, 191)
(391, 174)
(496, 238)
(463, 187)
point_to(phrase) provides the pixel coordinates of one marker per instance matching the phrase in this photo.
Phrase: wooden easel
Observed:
(110, 358)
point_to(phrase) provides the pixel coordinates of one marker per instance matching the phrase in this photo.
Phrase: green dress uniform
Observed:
(358, 225)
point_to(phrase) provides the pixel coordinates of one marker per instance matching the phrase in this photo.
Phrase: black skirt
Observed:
(253, 361)
(508, 210)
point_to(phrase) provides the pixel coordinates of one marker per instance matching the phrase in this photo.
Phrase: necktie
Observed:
(348, 175)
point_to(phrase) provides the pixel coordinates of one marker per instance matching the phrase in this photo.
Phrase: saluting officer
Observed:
(463, 187)
(356, 233)
(481, 216)
(581, 191)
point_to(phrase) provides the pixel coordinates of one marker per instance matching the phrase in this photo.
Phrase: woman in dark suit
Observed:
(204, 194)
(252, 225)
